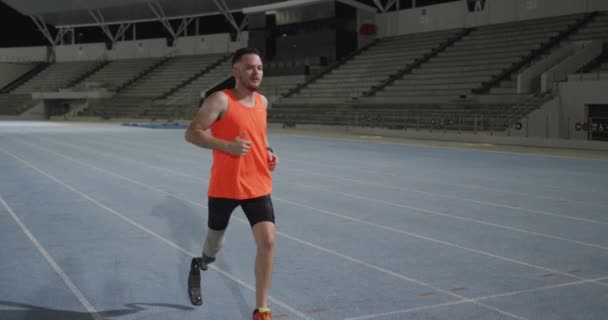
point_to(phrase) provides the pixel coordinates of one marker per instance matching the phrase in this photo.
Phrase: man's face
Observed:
(249, 71)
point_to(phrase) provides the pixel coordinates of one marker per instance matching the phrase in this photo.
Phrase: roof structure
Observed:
(65, 15)
(70, 13)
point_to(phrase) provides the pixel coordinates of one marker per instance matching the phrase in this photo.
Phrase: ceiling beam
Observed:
(160, 14)
(221, 4)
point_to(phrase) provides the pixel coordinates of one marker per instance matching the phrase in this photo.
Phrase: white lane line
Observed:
(371, 266)
(68, 282)
(361, 221)
(427, 193)
(161, 238)
(411, 177)
(362, 166)
(446, 243)
(379, 226)
(451, 216)
(471, 300)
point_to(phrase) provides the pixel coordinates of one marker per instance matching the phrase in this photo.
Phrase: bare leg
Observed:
(264, 233)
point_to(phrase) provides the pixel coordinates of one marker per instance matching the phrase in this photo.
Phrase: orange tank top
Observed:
(241, 177)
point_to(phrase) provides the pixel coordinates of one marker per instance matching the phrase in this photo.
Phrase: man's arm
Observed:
(273, 159)
(198, 133)
(265, 102)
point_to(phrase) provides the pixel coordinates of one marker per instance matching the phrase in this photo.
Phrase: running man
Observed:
(232, 123)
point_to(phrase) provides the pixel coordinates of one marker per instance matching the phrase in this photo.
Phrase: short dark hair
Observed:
(236, 57)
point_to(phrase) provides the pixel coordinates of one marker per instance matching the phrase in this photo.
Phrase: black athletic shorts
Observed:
(256, 209)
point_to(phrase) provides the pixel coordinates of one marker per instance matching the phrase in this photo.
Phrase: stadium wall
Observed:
(204, 44)
(149, 48)
(24, 54)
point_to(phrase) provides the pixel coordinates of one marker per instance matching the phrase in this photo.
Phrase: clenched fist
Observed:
(238, 146)
(273, 160)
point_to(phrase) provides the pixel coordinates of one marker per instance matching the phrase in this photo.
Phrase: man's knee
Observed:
(266, 244)
(264, 236)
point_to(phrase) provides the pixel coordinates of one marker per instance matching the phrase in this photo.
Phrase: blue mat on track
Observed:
(157, 125)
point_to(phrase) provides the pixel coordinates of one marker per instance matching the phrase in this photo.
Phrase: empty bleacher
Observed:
(117, 107)
(596, 30)
(274, 87)
(446, 116)
(56, 76)
(478, 57)
(136, 100)
(372, 66)
(442, 91)
(118, 72)
(433, 77)
(191, 93)
(169, 75)
(14, 104)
